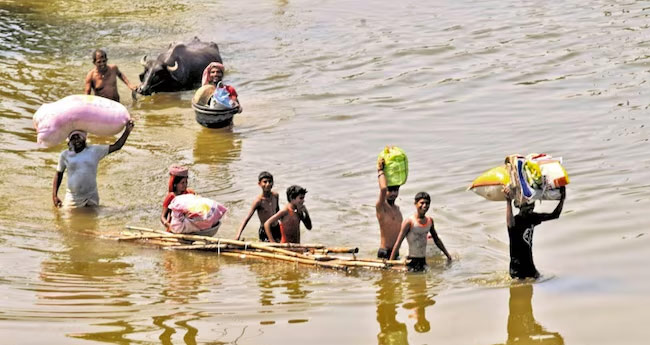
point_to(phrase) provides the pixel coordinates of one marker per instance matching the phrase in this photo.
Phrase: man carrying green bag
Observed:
(392, 172)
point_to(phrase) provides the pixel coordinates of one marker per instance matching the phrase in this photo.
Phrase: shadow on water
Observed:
(522, 326)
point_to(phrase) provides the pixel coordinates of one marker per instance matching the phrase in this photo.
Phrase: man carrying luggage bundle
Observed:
(81, 160)
(520, 232)
(388, 213)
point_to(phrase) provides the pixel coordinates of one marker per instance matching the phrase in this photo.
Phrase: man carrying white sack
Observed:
(81, 160)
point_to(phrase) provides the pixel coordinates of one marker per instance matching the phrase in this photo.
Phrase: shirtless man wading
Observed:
(102, 79)
(388, 214)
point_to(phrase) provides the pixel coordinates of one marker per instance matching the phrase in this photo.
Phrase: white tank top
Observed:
(417, 237)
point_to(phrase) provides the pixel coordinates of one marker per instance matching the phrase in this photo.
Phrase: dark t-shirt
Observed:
(521, 245)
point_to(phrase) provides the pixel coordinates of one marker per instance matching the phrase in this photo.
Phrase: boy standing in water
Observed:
(415, 229)
(266, 205)
(290, 217)
(520, 232)
(388, 214)
(102, 79)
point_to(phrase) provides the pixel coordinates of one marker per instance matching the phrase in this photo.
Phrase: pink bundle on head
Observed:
(175, 170)
(206, 71)
(80, 133)
(178, 170)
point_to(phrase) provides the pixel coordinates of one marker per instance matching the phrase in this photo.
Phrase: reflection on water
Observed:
(389, 295)
(522, 326)
(216, 146)
(325, 86)
(281, 284)
(413, 290)
(419, 300)
(184, 284)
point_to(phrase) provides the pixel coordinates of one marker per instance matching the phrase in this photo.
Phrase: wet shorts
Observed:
(416, 264)
(275, 231)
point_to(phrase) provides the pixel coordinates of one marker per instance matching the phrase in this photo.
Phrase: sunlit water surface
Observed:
(325, 85)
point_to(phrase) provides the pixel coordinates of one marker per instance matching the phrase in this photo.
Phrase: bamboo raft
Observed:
(307, 254)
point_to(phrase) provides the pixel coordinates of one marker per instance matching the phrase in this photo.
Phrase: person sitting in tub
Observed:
(213, 75)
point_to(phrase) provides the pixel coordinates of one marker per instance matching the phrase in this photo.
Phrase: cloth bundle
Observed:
(221, 98)
(396, 165)
(533, 177)
(93, 114)
(192, 213)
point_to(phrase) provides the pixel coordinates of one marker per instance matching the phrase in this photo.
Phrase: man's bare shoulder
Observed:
(91, 74)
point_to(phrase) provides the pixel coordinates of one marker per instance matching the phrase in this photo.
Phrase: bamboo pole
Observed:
(272, 250)
(288, 258)
(199, 247)
(139, 237)
(360, 263)
(226, 241)
(162, 243)
(295, 245)
(389, 262)
(342, 250)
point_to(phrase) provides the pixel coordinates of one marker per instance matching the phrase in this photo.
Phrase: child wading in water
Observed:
(290, 217)
(177, 186)
(266, 205)
(415, 229)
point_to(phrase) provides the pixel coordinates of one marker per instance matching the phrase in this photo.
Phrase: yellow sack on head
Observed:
(396, 165)
(490, 183)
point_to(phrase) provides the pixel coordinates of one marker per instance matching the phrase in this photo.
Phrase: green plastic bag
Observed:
(396, 165)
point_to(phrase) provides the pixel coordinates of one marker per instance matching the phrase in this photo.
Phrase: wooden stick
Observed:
(226, 241)
(288, 258)
(295, 245)
(139, 237)
(389, 262)
(199, 247)
(162, 243)
(360, 263)
(342, 250)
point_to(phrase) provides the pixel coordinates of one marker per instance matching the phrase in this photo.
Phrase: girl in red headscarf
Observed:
(177, 186)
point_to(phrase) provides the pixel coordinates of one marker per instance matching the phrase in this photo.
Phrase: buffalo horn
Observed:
(173, 68)
(143, 61)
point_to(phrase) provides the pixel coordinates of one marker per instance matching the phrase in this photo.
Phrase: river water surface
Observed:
(325, 85)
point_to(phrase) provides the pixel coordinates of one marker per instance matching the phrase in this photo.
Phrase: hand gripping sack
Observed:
(93, 114)
(396, 165)
(192, 213)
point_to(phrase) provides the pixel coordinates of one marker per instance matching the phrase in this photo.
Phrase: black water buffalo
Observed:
(179, 68)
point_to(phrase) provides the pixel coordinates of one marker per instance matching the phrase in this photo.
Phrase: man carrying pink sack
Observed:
(81, 161)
